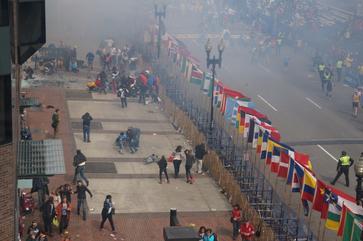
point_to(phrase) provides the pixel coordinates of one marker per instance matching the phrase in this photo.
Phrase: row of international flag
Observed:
(336, 207)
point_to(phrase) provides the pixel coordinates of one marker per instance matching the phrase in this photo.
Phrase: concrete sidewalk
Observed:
(134, 185)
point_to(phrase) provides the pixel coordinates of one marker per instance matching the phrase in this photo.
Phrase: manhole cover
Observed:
(95, 125)
(100, 167)
(78, 94)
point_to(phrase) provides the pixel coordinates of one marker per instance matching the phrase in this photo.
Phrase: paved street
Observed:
(292, 99)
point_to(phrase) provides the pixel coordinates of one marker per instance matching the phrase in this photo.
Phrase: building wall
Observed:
(7, 193)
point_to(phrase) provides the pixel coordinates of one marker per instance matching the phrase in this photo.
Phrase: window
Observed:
(5, 110)
(4, 13)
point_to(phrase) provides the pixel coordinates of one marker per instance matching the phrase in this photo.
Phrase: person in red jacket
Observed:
(236, 220)
(247, 231)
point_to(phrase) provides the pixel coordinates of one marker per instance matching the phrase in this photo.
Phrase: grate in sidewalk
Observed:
(100, 167)
(78, 94)
(95, 125)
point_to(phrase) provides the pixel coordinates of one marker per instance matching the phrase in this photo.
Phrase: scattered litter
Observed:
(112, 235)
(213, 209)
(154, 134)
(77, 235)
(91, 209)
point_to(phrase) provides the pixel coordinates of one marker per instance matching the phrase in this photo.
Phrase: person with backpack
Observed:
(209, 235)
(107, 212)
(162, 163)
(79, 162)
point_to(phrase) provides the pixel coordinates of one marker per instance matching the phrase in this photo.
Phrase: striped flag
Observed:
(283, 165)
(308, 187)
(196, 76)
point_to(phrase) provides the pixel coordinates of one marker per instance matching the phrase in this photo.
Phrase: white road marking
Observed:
(323, 149)
(267, 103)
(345, 85)
(312, 102)
(264, 68)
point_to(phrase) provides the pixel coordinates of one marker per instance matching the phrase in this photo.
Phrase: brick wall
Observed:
(7, 192)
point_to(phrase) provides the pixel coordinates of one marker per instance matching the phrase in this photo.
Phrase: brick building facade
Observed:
(7, 193)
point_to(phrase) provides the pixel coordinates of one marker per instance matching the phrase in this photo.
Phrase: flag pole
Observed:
(319, 229)
(310, 212)
(322, 238)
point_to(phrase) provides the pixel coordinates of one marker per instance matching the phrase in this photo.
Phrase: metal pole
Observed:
(16, 106)
(211, 100)
(159, 35)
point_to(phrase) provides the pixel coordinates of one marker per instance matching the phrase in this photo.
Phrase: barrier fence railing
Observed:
(230, 161)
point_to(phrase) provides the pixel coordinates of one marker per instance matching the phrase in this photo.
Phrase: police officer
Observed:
(327, 76)
(321, 68)
(344, 163)
(339, 67)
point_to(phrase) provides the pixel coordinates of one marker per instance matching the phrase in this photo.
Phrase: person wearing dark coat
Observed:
(81, 198)
(107, 212)
(162, 163)
(48, 215)
(199, 155)
(86, 121)
(189, 161)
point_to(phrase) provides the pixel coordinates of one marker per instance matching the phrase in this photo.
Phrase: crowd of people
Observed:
(179, 156)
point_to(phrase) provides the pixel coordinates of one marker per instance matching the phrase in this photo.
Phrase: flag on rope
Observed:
(303, 159)
(207, 86)
(236, 118)
(318, 201)
(247, 125)
(218, 93)
(290, 172)
(196, 76)
(264, 145)
(251, 130)
(284, 164)
(334, 198)
(275, 159)
(227, 92)
(308, 187)
(297, 177)
(357, 231)
(350, 211)
(230, 103)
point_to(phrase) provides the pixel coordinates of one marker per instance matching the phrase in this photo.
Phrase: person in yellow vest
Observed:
(321, 68)
(344, 163)
(327, 76)
(339, 68)
(356, 102)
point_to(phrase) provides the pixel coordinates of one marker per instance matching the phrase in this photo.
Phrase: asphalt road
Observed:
(291, 98)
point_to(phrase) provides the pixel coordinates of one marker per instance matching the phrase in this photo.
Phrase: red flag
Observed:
(284, 164)
(303, 159)
(342, 221)
(318, 202)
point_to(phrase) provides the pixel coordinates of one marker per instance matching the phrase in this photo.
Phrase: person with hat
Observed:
(107, 212)
(344, 163)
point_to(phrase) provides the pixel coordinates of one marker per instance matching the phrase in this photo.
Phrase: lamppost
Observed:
(213, 62)
(159, 14)
(358, 168)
